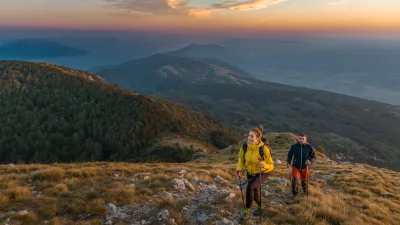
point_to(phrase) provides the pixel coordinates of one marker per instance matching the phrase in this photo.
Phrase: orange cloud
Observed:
(249, 5)
(180, 7)
(177, 3)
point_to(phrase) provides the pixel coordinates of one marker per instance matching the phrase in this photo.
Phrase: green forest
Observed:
(55, 114)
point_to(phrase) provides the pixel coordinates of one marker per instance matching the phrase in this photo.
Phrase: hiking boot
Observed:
(245, 214)
(257, 211)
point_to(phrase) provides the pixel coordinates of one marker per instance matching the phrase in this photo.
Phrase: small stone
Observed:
(146, 178)
(183, 173)
(386, 193)
(22, 212)
(277, 161)
(185, 208)
(111, 207)
(179, 184)
(196, 179)
(189, 185)
(220, 179)
(202, 217)
(132, 185)
(108, 222)
(280, 205)
(116, 175)
(226, 221)
(11, 165)
(266, 193)
(143, 222)
(283, 181)
(163, 215)
(167, 194)
(230, 196)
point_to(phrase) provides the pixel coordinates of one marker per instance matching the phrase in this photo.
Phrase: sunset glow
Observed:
(208, 15)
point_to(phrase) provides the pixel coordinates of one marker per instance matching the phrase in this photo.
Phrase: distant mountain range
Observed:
(364, 130)
(37, 49)
(150, 75)
(363, 69)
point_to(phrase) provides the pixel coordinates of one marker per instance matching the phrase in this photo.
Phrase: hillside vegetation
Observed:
(201, 192)
(364, 131)
(55, 114)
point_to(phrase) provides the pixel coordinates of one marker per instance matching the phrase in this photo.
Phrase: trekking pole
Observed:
(241, 190)
(308, 175)
(259, 159)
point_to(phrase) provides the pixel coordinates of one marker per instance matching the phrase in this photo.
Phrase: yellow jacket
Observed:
(251, 159)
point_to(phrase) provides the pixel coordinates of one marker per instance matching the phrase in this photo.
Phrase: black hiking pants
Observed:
(253, 188)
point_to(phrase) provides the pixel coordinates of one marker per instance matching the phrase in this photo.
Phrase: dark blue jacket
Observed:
(300, 153)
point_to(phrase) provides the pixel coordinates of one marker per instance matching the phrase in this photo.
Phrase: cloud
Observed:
(181, 7)
(200, 12)
(247, 5)
(176, 4)
(150, 6)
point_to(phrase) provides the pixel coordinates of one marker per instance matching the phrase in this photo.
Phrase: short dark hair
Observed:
(302, 135)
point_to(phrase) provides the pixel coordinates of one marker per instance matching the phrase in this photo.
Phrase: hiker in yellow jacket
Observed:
(254, 157)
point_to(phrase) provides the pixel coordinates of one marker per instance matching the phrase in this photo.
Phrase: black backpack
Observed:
(260, 150)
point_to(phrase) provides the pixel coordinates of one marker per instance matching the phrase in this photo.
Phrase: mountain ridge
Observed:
(64, 110)
(25, 49)
(334, 120)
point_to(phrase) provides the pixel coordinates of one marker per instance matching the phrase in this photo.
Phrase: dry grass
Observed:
(48, 211)
(353, 196)
(59, 188)
(29, 218)
(51, 174)
(18, 193)
(120, 195)
(96, 207)
(3, 201)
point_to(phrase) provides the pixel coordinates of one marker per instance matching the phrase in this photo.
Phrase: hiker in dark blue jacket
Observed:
(303, 156)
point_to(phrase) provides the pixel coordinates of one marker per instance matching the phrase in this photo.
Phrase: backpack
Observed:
(260, 150)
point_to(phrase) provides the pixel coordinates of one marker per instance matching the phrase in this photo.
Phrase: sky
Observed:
(217, 16)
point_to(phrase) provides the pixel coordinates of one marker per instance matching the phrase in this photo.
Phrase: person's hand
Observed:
(261, 164)
(308, 162)
(288, 165)
(238, 173)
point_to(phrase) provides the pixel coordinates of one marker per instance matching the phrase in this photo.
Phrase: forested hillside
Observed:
(55, 114)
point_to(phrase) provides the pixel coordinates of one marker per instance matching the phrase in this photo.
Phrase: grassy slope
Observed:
(77, 193)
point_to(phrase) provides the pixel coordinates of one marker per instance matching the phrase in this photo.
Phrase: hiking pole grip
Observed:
(241, 190)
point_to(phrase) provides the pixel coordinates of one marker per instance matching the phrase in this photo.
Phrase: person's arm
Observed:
(312, 155)
(290, 156)
(268, 162)
(240, 164)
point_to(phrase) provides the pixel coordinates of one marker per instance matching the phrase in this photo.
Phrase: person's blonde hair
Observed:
(258, 131)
